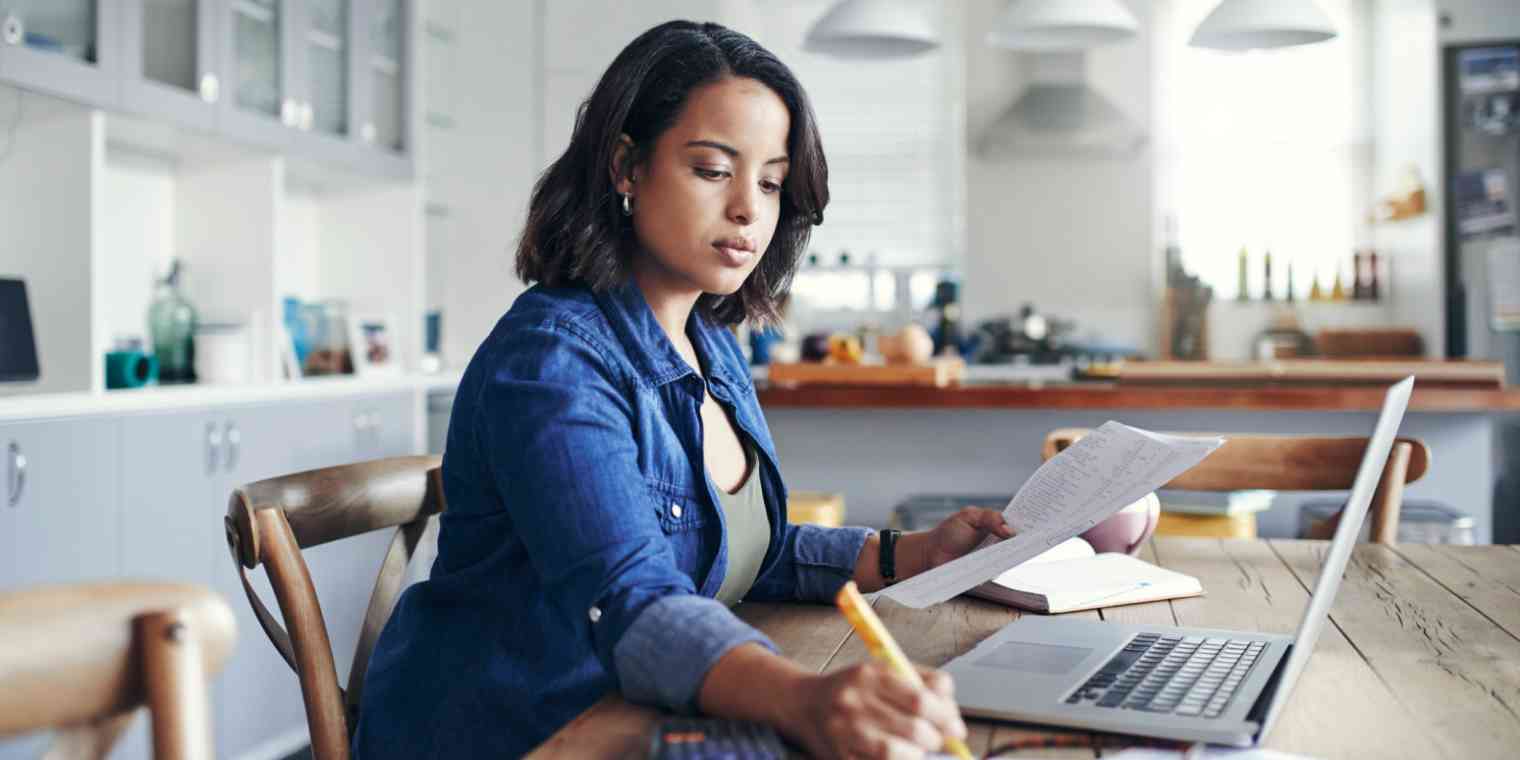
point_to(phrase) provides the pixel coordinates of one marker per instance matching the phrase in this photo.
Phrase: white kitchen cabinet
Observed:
(179, 471)
(171, 67)
(62, 47)
(57, 525)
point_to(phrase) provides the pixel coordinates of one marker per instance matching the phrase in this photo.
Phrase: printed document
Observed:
(1093, 478)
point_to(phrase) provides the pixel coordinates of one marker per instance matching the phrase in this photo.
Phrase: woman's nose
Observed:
(742, 206)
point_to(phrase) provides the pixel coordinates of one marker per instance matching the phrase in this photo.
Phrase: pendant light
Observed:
(1259, 24)
(874, 29)
(1062, 25)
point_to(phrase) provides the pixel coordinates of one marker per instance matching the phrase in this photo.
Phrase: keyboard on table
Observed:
(1165, 673)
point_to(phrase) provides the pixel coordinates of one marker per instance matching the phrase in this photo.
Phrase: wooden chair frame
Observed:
(80, 658)
(270, 521)
(1295, 463)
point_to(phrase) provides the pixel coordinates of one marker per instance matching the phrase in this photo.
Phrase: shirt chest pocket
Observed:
(686, 523)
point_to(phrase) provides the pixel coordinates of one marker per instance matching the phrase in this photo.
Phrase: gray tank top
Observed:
(749, 533)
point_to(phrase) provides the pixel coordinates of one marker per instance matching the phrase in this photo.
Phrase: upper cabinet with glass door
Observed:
(61, 47)
(170, 66)
(385, 79)
(258, 101)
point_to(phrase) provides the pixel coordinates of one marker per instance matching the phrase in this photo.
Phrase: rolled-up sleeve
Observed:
(557, 430)
(814, 562)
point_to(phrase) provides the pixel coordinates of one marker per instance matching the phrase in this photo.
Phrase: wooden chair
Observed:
(81, 658)
(1295, 463)
(270, 521)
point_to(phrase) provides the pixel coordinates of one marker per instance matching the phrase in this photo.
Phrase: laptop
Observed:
(1188, 684)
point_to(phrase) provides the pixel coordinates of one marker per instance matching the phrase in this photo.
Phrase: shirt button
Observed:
(675, 510)
(596, 614)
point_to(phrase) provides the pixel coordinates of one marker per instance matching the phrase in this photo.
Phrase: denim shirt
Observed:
(582, 544)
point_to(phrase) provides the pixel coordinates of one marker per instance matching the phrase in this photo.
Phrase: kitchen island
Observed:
(877, 445)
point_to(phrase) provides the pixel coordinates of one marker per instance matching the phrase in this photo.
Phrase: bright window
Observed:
(1267, 150)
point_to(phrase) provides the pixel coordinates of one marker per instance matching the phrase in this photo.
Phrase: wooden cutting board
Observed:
(935, 372)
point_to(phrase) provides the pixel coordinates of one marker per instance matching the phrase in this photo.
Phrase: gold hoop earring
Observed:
(627, 204)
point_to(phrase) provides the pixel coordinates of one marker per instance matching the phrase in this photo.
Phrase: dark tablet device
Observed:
(18, 347)
(713, 739)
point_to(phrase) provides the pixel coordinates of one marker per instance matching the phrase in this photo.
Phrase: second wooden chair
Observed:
(270, 521)
(1295, 463)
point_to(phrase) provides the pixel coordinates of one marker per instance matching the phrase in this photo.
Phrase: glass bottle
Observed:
(1266, 287)
(1242, 293)
(1372, 277)
(171, 321)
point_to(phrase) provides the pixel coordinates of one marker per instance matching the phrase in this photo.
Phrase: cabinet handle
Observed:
(18, 474)
(14, 30)
(211, 88)
(234, 438)
(213, 447)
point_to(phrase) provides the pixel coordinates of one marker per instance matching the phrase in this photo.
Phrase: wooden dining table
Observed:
(1421, 660)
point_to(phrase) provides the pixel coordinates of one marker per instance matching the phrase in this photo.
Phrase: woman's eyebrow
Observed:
(730, 150)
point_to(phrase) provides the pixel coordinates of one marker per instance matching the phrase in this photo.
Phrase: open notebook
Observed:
(1070, 577)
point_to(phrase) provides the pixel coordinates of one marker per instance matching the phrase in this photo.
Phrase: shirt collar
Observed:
(653, 353)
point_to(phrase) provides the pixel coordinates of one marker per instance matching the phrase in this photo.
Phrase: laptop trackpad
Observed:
(1049, 659)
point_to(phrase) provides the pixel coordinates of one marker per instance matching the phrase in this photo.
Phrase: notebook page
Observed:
(1093, 478)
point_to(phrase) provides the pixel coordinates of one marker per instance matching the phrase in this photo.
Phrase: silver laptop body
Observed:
(1190, 684)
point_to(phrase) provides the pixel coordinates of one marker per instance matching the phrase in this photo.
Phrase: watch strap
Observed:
(888, 562)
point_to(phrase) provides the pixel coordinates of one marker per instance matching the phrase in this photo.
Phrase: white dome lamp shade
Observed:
(1062, 25)
(1238, 25)
(874, 29)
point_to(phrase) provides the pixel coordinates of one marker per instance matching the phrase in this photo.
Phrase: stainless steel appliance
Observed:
(1481, 120)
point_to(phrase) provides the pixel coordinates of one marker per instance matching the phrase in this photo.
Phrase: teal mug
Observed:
(130, 369)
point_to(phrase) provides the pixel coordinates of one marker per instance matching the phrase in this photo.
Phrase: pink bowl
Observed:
(1126, 530)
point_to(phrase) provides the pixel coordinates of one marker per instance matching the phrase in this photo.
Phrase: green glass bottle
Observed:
(171, 320)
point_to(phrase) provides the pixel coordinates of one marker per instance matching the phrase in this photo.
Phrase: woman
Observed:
(611, 483)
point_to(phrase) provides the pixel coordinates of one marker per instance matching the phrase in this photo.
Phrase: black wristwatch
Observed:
(888, 563)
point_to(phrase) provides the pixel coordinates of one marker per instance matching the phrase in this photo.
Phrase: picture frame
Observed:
(372, 342)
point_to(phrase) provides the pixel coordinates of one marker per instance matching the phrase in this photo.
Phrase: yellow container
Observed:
(815, 508)
(1239, 525)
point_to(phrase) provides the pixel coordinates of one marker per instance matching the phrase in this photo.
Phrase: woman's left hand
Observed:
(962, 532)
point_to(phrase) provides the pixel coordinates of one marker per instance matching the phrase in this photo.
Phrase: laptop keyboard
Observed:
(1180, 675)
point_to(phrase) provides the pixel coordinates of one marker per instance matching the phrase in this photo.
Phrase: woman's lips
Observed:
(734, 257)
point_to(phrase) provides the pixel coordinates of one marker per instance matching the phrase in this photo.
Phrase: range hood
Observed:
(1059, 114)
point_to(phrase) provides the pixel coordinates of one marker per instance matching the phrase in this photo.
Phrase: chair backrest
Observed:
(1295, 463)
(270, 521)
(80, 659)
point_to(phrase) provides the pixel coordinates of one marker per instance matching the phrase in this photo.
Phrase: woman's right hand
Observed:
(866, 711)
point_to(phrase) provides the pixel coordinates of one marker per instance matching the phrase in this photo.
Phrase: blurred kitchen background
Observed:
(246, 237)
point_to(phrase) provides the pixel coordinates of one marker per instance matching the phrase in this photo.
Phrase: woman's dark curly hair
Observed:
(576, 231)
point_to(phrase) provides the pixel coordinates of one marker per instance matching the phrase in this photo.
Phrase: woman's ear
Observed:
(622, 168)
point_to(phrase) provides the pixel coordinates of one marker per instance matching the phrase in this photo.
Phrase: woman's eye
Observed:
(710, 173)
(770, 187)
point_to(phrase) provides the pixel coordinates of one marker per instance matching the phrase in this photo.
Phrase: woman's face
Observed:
(706, 201)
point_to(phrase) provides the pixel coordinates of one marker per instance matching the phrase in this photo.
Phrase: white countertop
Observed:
(185, 397)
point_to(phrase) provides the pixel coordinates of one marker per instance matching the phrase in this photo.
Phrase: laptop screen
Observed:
(1367, 476)
(18, 348)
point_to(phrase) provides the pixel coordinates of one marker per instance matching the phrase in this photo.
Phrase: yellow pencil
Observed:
(881, 646)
